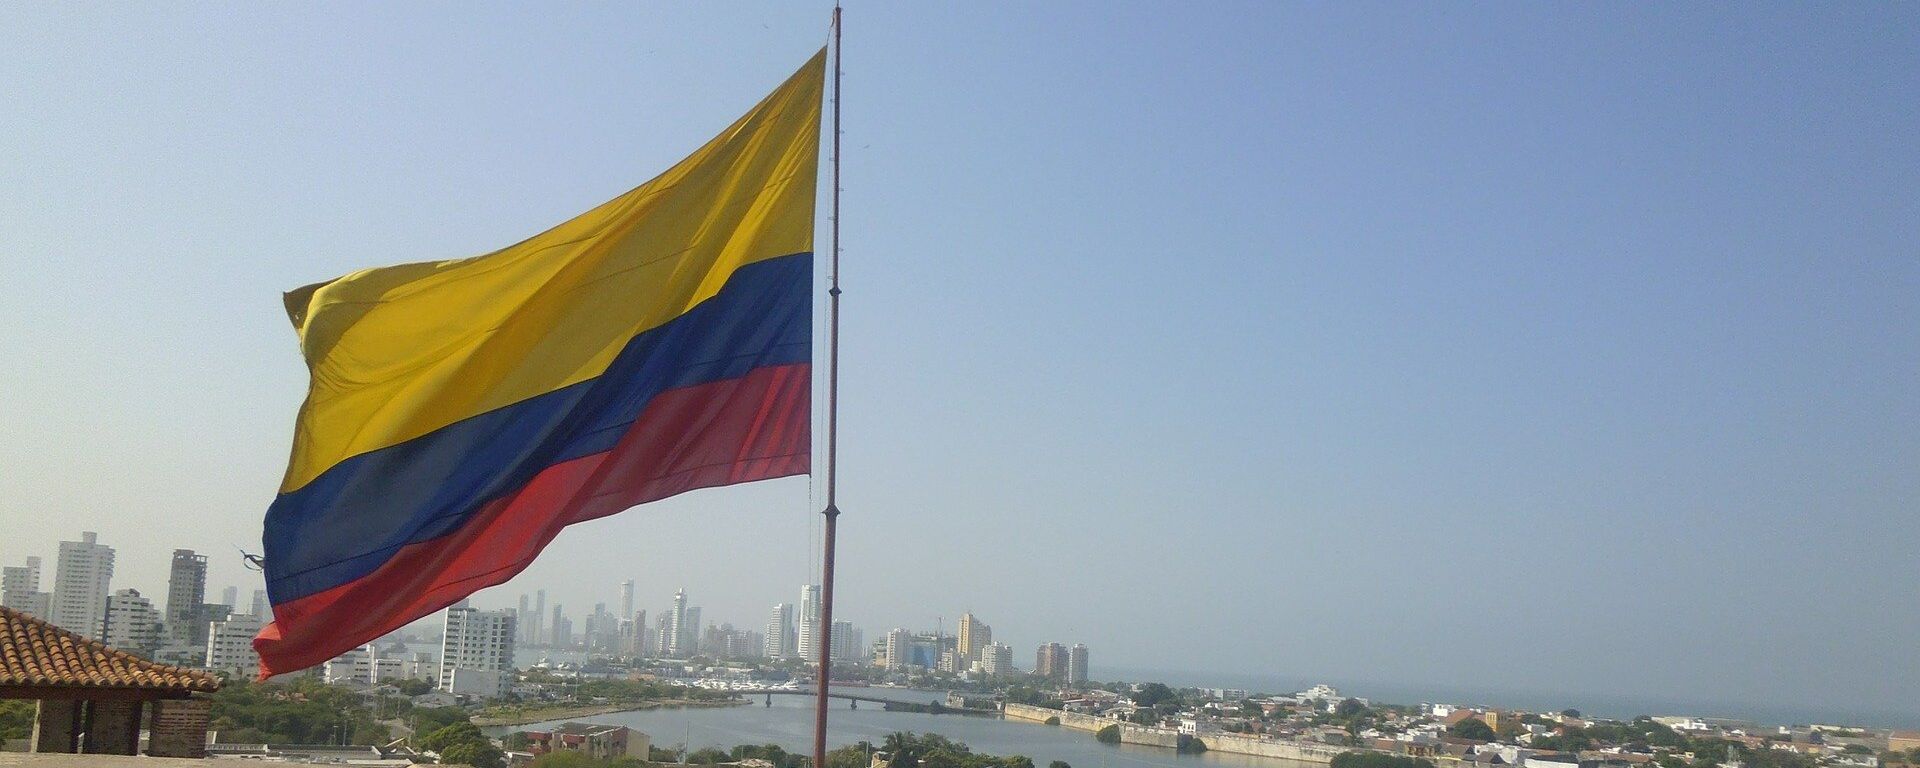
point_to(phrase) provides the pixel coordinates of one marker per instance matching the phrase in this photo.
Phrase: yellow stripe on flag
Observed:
(398, 352)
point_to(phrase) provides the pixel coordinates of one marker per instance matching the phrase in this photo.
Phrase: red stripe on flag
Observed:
(738, 430)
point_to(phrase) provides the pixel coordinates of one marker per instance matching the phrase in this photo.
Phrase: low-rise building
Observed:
(596, 741)
(230, 645)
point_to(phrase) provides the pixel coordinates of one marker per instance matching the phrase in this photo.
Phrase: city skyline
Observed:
(231, 651)
(1499, 347)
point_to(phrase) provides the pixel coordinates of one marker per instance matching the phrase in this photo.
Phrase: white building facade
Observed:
(230, 644)
(20, 589)
(479, 642)
(133, 624)
(807, 643)
(897, 652)
(81, 580)
(780, 632)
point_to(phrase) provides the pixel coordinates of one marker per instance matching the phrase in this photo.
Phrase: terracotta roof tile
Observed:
(36, 653)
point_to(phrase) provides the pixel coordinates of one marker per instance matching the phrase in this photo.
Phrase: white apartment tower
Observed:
(899, 649)
(808, 644)
(230, 645)
(780, 632)
(1077, 664)
(132, 622)
(674, 630)
(20, 589)
(996, 659)
(81, 579)
(477, 641)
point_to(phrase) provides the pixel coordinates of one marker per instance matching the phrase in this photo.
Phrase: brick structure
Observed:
(92, 698)
(178, 728)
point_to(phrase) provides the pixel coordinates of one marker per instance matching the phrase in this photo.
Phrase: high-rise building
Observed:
(626, 598)
(81, 579)
(996, 659)
(560, 631)
(974, 636)
(807, 641)
(780, 632)
(20, 589)
(690, 643)
(186, 593)
(261, 609)
(1050, 661)
(847, 642)
(637, 635)
(133, 625)
(523, 620)
(536, 634)
(679, 637)
(1077, 664)
(230, 645)
(477, 641)
(898, 652)
(230, 597)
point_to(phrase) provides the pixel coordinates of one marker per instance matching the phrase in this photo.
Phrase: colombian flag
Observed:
(460, 413)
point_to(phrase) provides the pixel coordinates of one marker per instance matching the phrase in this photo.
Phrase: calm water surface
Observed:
(789, 723)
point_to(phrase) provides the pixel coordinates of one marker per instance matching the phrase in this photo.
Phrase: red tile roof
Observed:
(35, 653)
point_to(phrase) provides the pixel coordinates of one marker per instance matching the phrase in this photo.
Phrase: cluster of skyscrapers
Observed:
(973, 651)
(476, 655)
(184, 631)
(679, 631)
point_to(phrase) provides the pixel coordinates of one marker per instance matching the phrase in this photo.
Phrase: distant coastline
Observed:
(532, 715)
(1613, 706)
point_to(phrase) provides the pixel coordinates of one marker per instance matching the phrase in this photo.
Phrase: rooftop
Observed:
(37, 654)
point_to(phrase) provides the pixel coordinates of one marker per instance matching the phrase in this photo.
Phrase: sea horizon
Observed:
(1609, 706)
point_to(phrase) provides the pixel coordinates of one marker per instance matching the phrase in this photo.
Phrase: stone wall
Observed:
(1291, 750)
(1166, 737)
(1129, 733)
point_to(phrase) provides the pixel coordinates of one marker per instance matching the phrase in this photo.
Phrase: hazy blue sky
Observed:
(1548, 346)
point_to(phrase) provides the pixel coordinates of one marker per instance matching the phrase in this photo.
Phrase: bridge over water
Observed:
(919, 703)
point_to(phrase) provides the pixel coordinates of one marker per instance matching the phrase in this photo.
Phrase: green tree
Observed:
(1472, 728)
(708, 756)
(1152, 694)
(1108, 735)
(1349, 709)
(16, 720)
(479, 754)
(1570, 712)
(1058, 764)
(412, 687)
(429, 719)
(440, 740)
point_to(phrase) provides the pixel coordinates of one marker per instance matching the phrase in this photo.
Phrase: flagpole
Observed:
(832, 512)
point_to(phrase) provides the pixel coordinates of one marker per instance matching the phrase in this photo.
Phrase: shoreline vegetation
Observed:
(527, 715)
